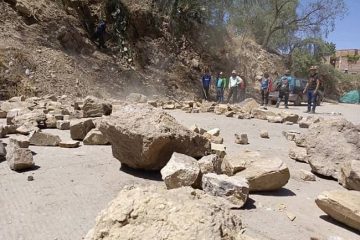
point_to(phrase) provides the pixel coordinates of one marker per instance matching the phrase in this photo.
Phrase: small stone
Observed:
(298, 154)
(95, 137)
(264, 134)
(69, 144)
(241, 139)
(214, 132)
(63, 124)
(30, 178)
(306, 175)
(290, 215)
(230, 114)
(218, 149)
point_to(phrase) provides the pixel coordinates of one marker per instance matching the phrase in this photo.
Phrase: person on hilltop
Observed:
(234, 82)
(99, 34)
(206, 83)
(285, 85)
(220, 87)
(265, 83)
(312, 88)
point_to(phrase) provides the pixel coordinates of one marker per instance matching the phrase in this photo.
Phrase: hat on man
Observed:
(233, 72)
(313, 68)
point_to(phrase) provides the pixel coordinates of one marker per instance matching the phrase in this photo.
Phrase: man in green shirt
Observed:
(220, 87)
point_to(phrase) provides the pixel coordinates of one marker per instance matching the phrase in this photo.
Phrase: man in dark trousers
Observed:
(206, 83)
(312, 88)
(99, 34)
(284, 88)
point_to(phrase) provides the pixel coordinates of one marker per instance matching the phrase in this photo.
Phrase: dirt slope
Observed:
(45, 47)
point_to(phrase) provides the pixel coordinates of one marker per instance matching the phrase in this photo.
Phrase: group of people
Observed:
(235, 86)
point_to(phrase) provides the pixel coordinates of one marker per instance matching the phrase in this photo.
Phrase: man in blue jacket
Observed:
(285, 86)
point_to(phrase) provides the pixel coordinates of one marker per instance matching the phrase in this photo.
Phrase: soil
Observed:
(71, 186)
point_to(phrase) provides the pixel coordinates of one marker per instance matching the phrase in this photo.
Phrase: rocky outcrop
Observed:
(149, 213)
(145, 138)
(235, 190)
(342, 205)
(180, 171)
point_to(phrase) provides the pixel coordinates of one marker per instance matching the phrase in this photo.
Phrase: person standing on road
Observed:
(206, 83)
(234, 82)
(265, 90)
(284, 88)
(312, 88)
(220, 87)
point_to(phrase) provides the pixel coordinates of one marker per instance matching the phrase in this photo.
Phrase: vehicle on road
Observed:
(296, 96)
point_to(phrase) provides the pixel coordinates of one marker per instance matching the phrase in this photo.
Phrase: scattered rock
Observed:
(214, 139)
(2, 132)
(306, 122)
(275, 119)
(230, 114)
(145, 138)
(95, 137)
(2, 152)
(20, 141)
(207, 107)
(69, 144)
(80, 127)
(248, 105)
(44, 139)
(63, 124)
(262, 114)
(289, 117)
(19, 158)
(218, 149)
(264, 134)
(235, 190)
(291, 135)
(221, 109)
(169, 106)
(265, 174)
(214, 132)
(350, 175)
(180, 171)
(306, 175)
(242, 139)
(342, 205)
(30, 178)
(298, 154)
(149, 213)
(50, 121)
(3, 114)
(94, 107)
(233, 164)
(290, 216)
(210, 164)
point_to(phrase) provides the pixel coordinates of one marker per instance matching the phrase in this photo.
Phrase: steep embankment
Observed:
(45, 47)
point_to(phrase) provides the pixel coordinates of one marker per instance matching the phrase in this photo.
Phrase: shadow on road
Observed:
(339, 224)
(149, 175)
(283, 192)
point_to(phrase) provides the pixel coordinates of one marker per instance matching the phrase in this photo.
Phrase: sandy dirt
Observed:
(71, 186)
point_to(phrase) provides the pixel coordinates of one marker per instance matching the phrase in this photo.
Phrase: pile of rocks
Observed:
(27, 118)
(231, 177)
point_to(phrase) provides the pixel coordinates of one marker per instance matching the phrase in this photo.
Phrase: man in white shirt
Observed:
(234, 82)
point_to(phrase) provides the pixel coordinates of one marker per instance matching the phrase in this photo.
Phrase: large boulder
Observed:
(180, 171)
(79, 128)
(35, 118)
(210, 164)
(44, 139)
(95, 137)
(94, 107)
(350, 175)
(143, 137)
(248, 105)
(149, 213)
(342, 205)
(331, 144)
(265, 174)
(235, 190)
(19, 158)
(289, 117)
